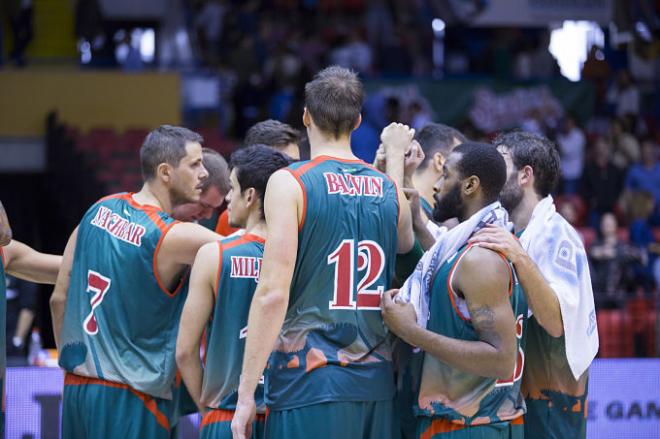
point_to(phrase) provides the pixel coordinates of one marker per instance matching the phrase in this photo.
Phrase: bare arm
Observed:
(195, 315)
(540, 295)
(26, 263)
(183, 241)
(483, 279)
(406, 237)
(5, 228)
(59, 296)
(419, 220)
(282, 207)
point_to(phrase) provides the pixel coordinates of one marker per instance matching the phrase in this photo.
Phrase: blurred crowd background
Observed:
(84, 80)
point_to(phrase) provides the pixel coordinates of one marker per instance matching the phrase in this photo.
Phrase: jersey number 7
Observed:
(371, 261)
(99, 285)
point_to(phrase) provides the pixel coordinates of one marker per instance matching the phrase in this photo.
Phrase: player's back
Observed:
(238, 274)
(457, 396)
(334, 345)
(120, 321)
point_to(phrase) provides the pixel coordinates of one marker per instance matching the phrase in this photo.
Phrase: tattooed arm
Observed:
(483, 279)
(5, 228)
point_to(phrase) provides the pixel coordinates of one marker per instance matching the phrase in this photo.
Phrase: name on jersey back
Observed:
(118, 226)
(354, 185)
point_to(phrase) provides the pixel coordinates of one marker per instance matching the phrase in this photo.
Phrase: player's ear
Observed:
(471, 185)
(357, 122)
(438, 161)
(307, 118)
(526, 176)
(164, 172)
(250, 196)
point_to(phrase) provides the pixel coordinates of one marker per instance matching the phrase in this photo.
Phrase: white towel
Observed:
(556, 248)
(417, 288)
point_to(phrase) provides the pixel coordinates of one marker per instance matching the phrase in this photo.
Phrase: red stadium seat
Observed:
(641, 313)
(615, 334)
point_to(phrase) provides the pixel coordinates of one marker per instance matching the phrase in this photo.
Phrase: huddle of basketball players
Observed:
(289, 328)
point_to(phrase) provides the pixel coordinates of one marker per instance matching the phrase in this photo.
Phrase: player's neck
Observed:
(256, 226)
(153, 195)
(320, 144)
(424, 182)
(523, 211)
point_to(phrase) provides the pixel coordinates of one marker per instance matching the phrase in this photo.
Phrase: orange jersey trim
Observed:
(220, 415)
(155, 266)
(450, 289)
(148, 401)
(304, 194)
(442, 425)
(2, 258)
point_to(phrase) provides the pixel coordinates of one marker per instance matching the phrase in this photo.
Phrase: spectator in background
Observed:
(209, 25)
(645, 175)
(21, 20)
(354, 54)
(419, 115)
(626, 146)
(571, 143)
(602, 182)
(640, 208)
(624, 95)
(21, 307)
(610, 259)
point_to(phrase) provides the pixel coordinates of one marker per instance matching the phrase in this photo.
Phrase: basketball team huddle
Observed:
(435, 293)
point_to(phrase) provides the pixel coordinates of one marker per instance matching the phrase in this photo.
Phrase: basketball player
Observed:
(223, 279)
(117, 301)
(469, 387)
(23, 262)
(214, 189)
(437, 141)
(552, 266)
(335, 225)
(275, 134)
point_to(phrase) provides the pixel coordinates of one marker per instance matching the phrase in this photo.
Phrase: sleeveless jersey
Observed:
(334, 345)
(120, 321)
(458, 396)
(238, 274)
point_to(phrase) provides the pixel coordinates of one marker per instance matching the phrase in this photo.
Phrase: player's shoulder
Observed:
(480, 265)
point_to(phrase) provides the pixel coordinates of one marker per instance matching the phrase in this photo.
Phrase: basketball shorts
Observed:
(431, 428)
(95, 408)
(365, 420)
(216, 424)
(560, 416)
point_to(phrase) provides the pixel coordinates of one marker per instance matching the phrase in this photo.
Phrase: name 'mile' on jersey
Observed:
(458, 396)
(240, 263)
(334, 345)
(120, 322)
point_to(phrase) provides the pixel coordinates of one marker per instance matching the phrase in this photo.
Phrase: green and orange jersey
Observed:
(333, 345)
(556, 401)
(120, 320)
(237, 277)
(460, 397)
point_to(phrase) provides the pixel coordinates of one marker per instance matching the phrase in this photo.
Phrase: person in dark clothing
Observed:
(602, 182)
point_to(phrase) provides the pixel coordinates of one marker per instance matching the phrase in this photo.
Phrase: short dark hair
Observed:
(254, 165)
(165, 144)
(436, 137)
(536, 151)
(218, 170)
(484, 161)
(273, 133)
(334, 100)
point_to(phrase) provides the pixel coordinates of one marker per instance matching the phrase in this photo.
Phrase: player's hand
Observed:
(396, 137)
(413, 158)
(246, 412)
(5, 228)
(500, 240)
(418, 217)
(380, 161)
(399, 317)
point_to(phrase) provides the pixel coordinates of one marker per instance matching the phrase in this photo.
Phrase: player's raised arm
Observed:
(195, 315)
(483, 279)
(26, 263)
(283, 210)
(5, 228)
(59, 296)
